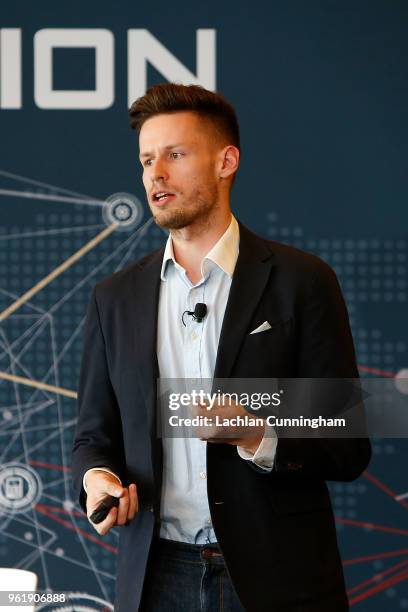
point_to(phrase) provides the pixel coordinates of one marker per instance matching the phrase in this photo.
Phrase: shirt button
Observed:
(193, 335)
(203, 475)
(209, 521)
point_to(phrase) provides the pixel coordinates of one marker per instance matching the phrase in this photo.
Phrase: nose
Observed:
(159, 171)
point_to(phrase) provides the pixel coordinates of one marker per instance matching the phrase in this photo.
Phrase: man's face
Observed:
(179, 155)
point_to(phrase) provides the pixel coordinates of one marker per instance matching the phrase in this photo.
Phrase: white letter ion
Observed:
(143, 47)
(10, 68)
(99, 39)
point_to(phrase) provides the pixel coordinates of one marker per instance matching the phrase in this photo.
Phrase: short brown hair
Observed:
(173, 98)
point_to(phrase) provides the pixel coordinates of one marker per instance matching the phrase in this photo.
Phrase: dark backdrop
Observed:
(321, 93)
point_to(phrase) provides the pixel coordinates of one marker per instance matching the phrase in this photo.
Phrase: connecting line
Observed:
(385, 584)
(25, 179)
(52, 232)
(383, 487)
(38, 310)
(66, 264)
(32, 195)
(38, 385)
(377, 577)
(52, 388)
(41, 549)
(382, 555)
(376, 371)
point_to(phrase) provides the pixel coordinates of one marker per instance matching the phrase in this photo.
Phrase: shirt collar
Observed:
(224, 253)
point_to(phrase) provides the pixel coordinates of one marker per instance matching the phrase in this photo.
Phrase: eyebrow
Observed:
(167, 148)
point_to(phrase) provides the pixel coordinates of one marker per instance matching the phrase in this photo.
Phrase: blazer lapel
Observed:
(147, 299)
(254, 264)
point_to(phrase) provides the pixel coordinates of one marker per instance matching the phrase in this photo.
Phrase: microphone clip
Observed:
(198, 314)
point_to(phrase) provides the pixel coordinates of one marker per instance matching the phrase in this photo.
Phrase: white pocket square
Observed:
(264, 327)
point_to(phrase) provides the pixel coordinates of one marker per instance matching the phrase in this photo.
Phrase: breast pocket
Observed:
(268, 353)
(266, 327)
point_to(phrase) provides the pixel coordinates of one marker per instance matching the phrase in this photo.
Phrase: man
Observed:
(223, 522)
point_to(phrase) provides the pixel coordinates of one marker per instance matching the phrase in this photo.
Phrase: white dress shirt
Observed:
(189, 352)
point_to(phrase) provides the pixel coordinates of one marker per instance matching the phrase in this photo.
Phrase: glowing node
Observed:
(60, 552)
(20, 488)
(401, 381)
(68, 505)
(7, 415)
(122, 208)
(28, 536)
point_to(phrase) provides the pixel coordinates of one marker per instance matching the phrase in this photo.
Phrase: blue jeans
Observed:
(187, 578)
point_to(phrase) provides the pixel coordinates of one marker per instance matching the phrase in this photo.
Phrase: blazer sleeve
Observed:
(325, 350)
(98, 438)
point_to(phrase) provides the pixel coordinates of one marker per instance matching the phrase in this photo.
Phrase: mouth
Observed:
(161, 197)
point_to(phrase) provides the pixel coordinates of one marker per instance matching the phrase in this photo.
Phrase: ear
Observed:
(228, 161)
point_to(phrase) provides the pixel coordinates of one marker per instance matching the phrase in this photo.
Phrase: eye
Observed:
(147, 162)
(176, 155)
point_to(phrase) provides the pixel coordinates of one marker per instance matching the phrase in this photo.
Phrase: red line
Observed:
(379, 484)
(371, 526)
(385, 488)
(377, 577)
(385, 373)
(50, 466)
(81, 531)
(380, 587)
(384, 555)
(48, 508)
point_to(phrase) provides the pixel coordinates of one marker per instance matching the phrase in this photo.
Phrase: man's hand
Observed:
(99, 485)
(248, 437)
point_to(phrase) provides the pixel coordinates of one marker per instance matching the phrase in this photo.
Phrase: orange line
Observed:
(57, 271)
(38, 385)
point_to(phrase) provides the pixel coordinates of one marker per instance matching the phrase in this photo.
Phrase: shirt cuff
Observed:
(264, 455)
(98, 469)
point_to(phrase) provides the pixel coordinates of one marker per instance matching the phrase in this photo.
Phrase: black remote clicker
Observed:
(102, 511)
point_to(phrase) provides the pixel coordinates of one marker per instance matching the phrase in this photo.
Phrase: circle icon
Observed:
(20, 487)
(124, 209)
(78, 602)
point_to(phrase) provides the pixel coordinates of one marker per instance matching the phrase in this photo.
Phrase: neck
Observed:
(191, 244)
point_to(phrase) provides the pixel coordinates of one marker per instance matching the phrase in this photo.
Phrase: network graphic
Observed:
(40, 339)
(48, 267)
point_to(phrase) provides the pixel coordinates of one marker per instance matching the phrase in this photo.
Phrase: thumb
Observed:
(113, 488)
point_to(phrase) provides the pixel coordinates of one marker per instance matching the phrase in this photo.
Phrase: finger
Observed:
(123, 508)
(110, 521)
(93, 501)
(133, 502)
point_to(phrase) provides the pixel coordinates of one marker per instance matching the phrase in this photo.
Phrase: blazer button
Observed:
(151, 509)
(294, 466)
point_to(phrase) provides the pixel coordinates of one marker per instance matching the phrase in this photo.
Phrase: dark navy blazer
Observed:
(276, 529)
